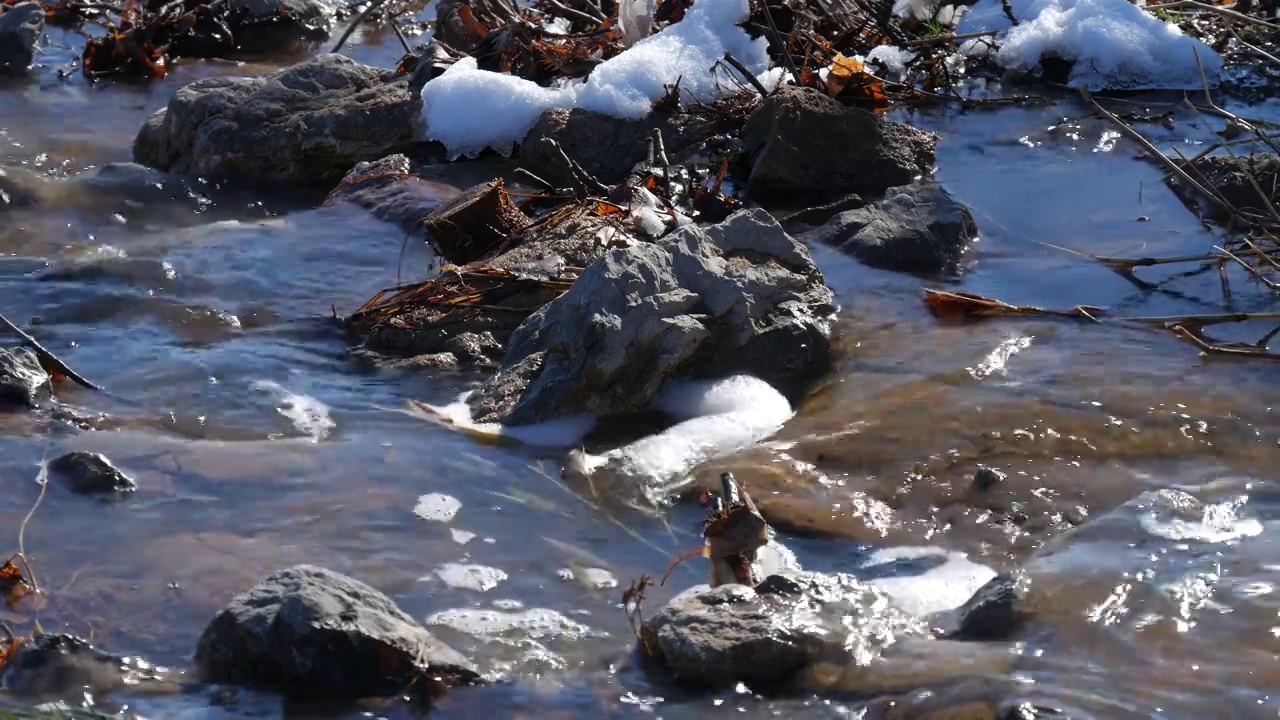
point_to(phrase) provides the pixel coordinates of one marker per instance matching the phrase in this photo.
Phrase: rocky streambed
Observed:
(928, 515)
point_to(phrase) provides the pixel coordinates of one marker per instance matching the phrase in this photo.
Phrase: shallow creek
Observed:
(257, 443)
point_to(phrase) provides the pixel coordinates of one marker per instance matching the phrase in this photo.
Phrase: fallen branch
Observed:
(1215, 9)
(744, 72)
(47, 357)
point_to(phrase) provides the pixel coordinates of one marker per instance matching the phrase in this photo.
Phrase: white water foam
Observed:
(307, 414)
(1175, 515)
(461, 576)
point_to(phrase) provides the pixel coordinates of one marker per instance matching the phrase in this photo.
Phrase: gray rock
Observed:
(308, 124)
(607, 147)
(717, 637)
(20, 29)
(313, 631)
(64, 666)
(389, 190)
(265, 24)
(986, 478)
(803, 142)
(915, 228)
(23, 381)
(997, 611)
(91, 474)
(19, 188)
(741, 296)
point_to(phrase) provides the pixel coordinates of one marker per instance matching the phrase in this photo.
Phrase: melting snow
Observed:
(1116, 45)
(469, 109)
(480, 578)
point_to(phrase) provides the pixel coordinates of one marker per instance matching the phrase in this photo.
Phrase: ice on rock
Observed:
(1115, 45)
(468, 109)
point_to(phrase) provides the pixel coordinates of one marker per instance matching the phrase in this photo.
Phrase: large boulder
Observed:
(738, 297)
(916, 228)
(312, 631)
(805, 143)
(20, 29)
(607, 147)
(717, 637)
(308, 124)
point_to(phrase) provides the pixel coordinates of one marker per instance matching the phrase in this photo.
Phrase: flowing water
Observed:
(257, 443)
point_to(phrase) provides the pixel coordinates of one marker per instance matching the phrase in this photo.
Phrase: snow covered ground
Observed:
(469, 109)
(1116, 45)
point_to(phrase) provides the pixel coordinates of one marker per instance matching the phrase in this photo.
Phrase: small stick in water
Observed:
(48, 357)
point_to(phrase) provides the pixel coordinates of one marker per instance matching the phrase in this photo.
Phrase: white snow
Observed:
(1116, 45)
(469, 109)
(894, 59)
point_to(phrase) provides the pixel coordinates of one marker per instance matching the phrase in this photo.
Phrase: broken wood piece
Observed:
(475, 223)
(48, 359)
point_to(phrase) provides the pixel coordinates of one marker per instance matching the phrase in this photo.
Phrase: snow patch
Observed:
(468, 109)
(437, 507)
(1116, 45)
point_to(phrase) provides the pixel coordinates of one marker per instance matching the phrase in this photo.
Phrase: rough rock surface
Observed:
(18, 188)
(53, 665)
(265, 25)
(20, 29)
(308, 124)
(915, 228)
(607, 147)
(391, 191)
(23, 382)
(717, 637)
(310, 630)
(995, 612)
(803, 142)
(741, 296)
(91, 474)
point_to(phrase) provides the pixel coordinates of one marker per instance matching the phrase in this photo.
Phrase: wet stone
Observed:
(56, 665)
(87, 473)
(265, 25)
(307, 630)
(985, 478)
(1232, 177)
(801, 142)
(995, 612)
(252, 127)
(390, 191)
(20, 28)
(23, 381)
(915, 228)
(768, 636)
(738, 297)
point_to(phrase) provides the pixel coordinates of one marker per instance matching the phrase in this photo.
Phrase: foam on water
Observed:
(438, 507)
(461, 576)
(1218, 522)
(307, 414)
(534, 623)
(949, 581)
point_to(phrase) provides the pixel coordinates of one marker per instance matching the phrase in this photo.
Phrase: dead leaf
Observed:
(13, 584)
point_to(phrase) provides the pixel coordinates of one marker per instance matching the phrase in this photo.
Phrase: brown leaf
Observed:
(13, 584)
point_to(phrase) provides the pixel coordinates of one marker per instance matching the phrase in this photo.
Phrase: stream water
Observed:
(258, 443)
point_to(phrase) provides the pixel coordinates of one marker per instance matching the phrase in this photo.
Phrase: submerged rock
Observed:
(770, 635)
(20, 29)
(803, 142)
(390, 191)
(738, 297)
(997, 611)
(915, 228)
(313, 631)
(23, 381)
(308, 124)
(267, 24)
(87, 473)
(18, 188)
(606, 147)
(57, 665)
